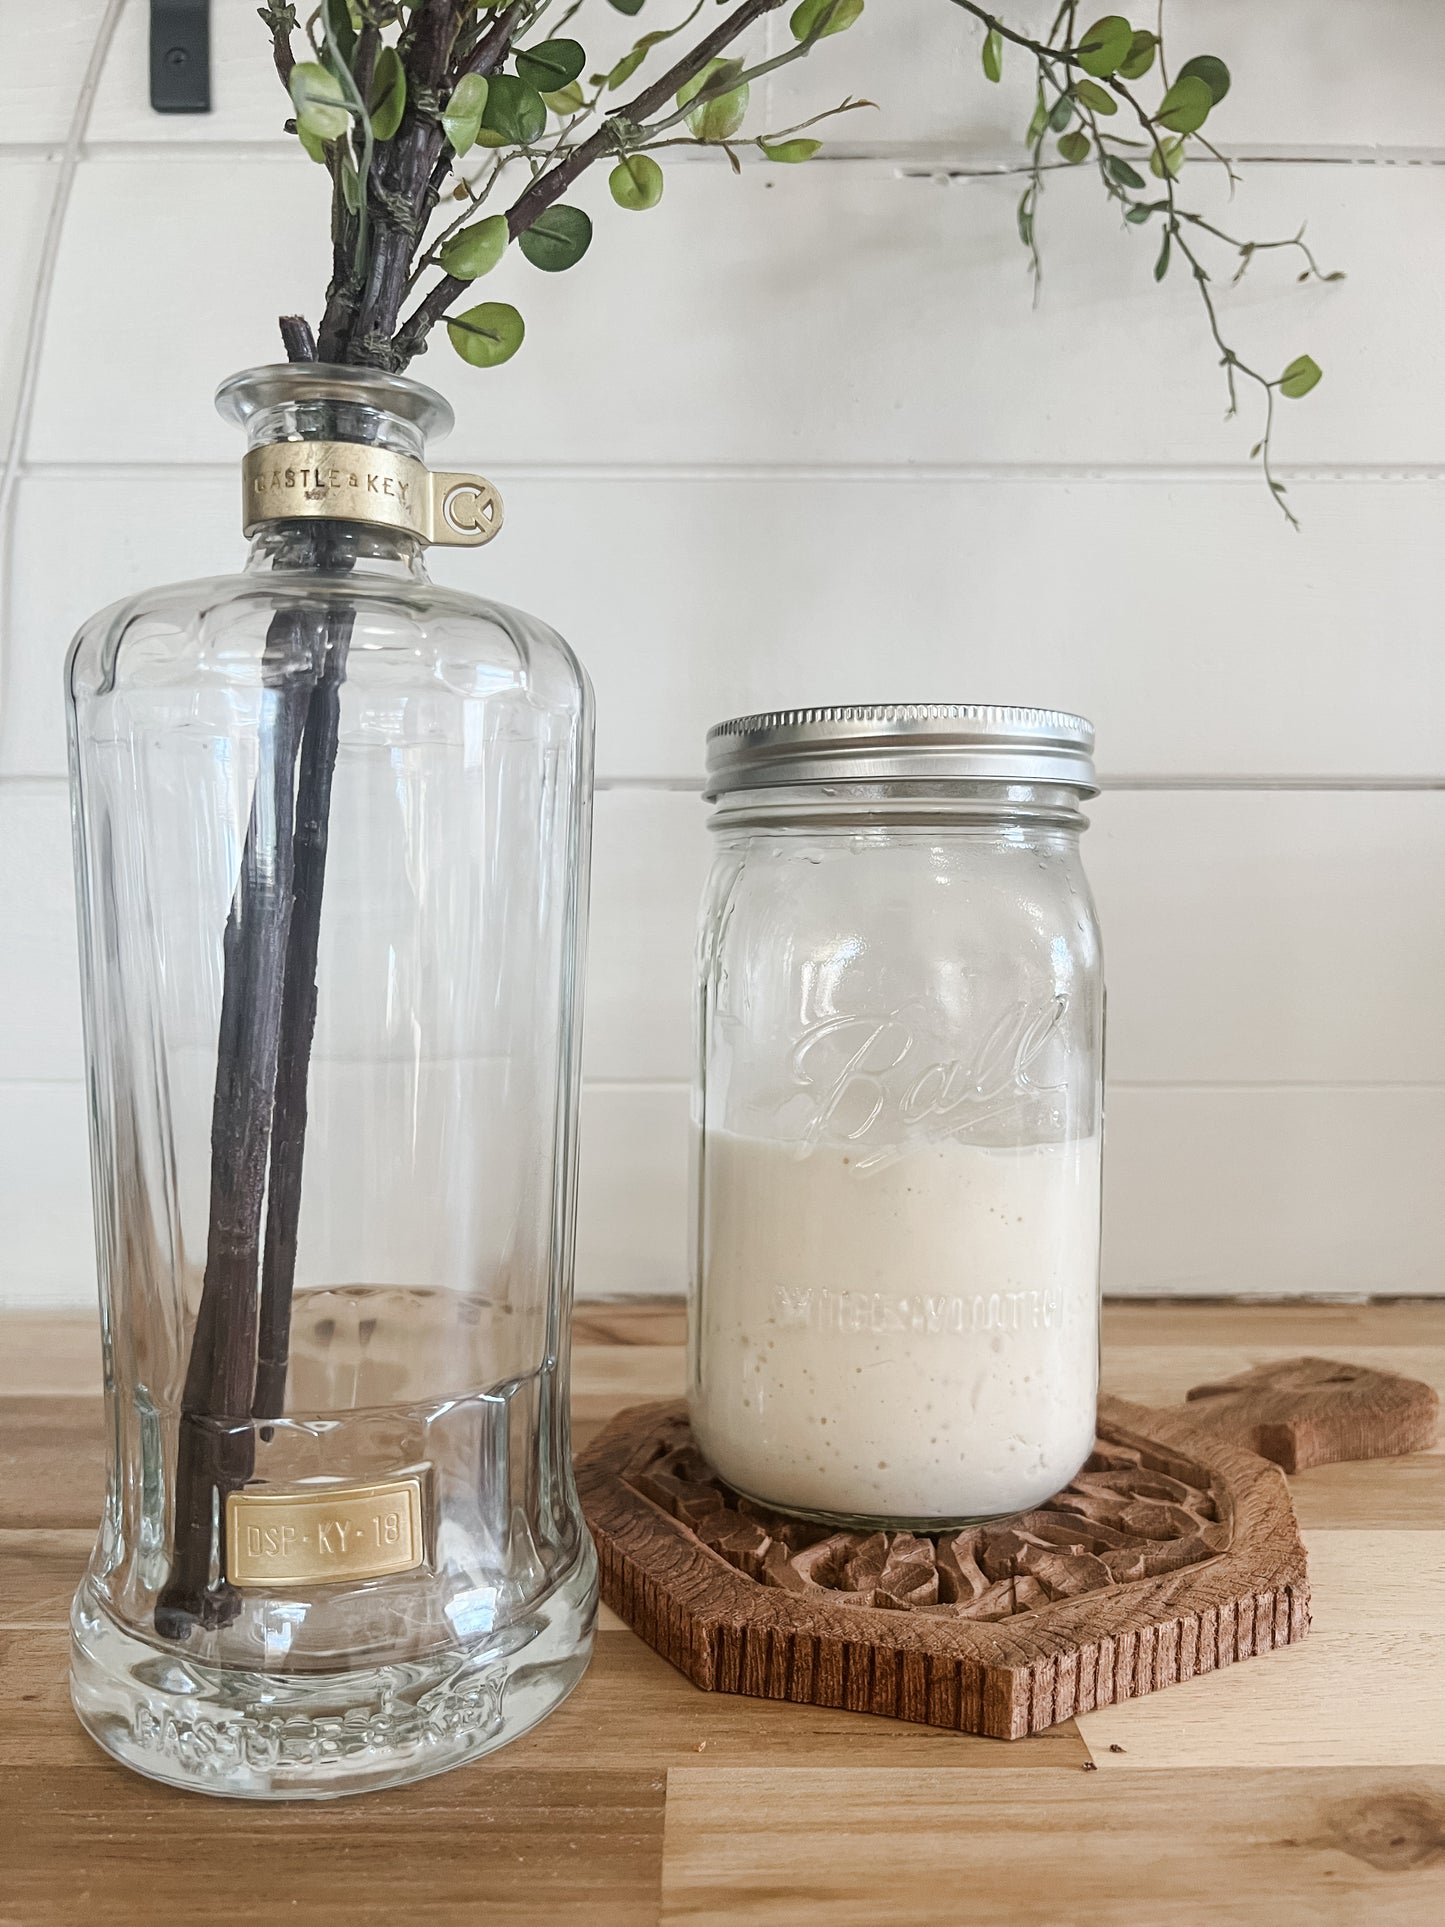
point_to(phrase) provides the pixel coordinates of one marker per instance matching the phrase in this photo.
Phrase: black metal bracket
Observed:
(181, 56)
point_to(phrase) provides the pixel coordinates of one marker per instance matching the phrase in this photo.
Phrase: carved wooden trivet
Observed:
(1314, 1411)
(1174, 1552)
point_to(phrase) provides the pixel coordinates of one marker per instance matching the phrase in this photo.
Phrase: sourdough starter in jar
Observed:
(881, 1342)
(894, 1308)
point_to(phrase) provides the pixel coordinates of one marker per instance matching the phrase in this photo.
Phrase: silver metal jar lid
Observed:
(892, 742)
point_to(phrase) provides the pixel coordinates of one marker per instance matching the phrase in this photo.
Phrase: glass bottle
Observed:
(894, 1304)
(332, 831)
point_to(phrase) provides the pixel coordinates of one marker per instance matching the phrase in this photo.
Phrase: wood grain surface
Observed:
(1307, 1788)
(1313, 1411)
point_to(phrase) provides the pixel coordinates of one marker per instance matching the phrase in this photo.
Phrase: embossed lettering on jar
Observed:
(894, 1306)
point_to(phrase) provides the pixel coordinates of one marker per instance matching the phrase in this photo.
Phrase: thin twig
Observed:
(282, 22)
(297, 338)
(215, 1448)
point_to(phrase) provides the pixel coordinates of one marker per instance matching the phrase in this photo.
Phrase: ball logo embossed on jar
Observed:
(874, 1084)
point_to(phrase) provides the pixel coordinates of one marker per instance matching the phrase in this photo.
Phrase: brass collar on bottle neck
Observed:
(351, 482)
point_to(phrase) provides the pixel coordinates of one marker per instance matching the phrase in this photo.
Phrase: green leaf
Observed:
(1186, 106)
(341, 28)
(388, 94)
(1075, 146)
(1161, 266)
(350, 184)
(992, 54)
(628, 7)
(475, 250)
(488, 335)
(636, 182)
(633, 59)
(790, 152)
(314, 147)
(629, 64)
(320, 102)
(1302, 374)
(816, 19)
(515, 115)
(557, 239)
(1167, 158)
(722, 116)
(624, 70)
(1141, 55)
(1211, 70)
(1105, 47)
(462, 116)
(556, 63)
(1026, 217)
(1120, 172)
(1038, 123)
(1062, 113)
(1093, 95)
(566, 100)
(1140, 211)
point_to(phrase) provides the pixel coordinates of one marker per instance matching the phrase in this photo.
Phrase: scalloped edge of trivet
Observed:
(1005, 1679)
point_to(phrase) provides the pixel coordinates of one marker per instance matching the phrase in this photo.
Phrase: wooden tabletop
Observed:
(1304, 1787)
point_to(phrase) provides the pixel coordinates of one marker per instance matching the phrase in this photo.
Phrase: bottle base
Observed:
(275, 1736)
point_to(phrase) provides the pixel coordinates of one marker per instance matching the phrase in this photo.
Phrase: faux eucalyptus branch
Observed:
(1083, 81)
(409, 106)
(489, 104)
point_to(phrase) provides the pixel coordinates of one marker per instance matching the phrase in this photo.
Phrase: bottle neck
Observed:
(335, 477)
(335, 418)
(326, 547)
(323, 545)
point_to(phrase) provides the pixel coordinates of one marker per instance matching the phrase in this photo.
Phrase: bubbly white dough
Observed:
(917, 1340)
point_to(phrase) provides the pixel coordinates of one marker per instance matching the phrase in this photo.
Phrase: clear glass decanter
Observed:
(332, 833)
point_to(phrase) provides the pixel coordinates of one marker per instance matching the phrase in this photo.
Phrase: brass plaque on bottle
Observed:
(326, 1536)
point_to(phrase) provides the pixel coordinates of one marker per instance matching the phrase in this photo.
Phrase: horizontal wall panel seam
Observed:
(672, 1087)
(867, 475)
(930, 157)
(1195, 783)
(1198, 785)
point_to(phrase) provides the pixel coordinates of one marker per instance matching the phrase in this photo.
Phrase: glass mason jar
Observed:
(332, 832)
(894, 1306)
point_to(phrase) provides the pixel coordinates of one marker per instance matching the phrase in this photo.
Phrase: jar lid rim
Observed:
(882, 742)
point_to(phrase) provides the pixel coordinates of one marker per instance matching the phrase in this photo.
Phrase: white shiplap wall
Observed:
(799, 437)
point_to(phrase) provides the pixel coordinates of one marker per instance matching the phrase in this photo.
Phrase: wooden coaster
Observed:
(1174, 1552)
(1315, 1411)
